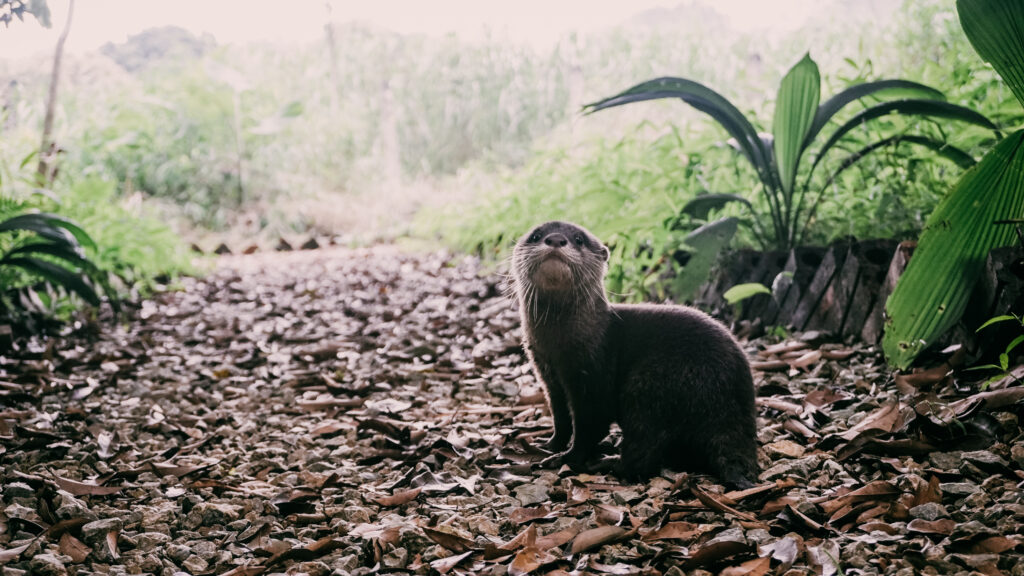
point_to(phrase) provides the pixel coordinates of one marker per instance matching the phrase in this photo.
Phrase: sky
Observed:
(536, 22)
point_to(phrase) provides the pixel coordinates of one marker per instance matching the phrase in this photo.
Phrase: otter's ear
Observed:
(605, 252)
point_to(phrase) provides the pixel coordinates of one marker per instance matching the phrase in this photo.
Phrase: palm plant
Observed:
(787, 160)
(49, 248)
(980, 213)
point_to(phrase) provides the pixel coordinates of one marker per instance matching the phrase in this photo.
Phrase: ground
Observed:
(371, 411)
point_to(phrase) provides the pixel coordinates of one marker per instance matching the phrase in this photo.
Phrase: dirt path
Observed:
(357, 412)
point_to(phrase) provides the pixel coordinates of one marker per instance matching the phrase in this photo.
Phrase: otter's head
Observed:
(559, 261)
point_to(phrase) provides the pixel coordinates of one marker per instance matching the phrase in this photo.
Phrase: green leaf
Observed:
(795, 108)
(57, 250)
(932, 293)
(996, 30)
(293, 109)
(741, 292)
(928, 108)
(67, 279)
(992, 321)
(951, 153)
(707, 242)
(904, 88)
(1014, 343)
(702, 204)
(45, 225)
(706, 100)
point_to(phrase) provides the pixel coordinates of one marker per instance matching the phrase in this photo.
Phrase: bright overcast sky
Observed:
(534, 21)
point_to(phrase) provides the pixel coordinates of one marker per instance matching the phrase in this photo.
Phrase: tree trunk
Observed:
(47, 168)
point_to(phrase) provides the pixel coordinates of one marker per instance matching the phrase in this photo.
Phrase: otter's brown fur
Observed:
(673, 378)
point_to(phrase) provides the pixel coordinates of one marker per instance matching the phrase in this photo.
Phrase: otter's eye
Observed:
(578, 239)
(535, 237)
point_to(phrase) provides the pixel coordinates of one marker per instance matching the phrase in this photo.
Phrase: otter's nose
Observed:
(556, 240)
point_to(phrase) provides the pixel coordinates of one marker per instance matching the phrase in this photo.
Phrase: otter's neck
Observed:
(564, 317)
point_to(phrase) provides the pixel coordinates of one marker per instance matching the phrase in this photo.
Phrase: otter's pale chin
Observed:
(553, 275)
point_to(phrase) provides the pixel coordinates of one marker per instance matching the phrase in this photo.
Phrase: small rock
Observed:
(195, 564)
(212, 514)
(945, 460)
(1017, 454)
(800, 468)
(530, 494)
(70, 507)
(984, 459)
(151, 540)
(205, 549)
(97, 531)
(959, 489)
(346, 563)
(18, 490)
(47, 565)
(929, 511)
(177, 552)
(356, 514)
(314, 568)
(784, 449)
(396, 559)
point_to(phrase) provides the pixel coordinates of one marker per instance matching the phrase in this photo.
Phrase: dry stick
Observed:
(43, 171)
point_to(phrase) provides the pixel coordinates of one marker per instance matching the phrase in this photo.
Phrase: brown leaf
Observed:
(608, 514)
(886, 419)
(524, 515)
(445, 565)
(398, 498)
(768, 365)
(557, 539)
(452, 542)
(673, 531)
(990, 400)
(877, 490)
(926, 493)
(168, 469)
(529, 559)
(806, 360)
(807, 520)
(597, 537)
(783, 348)
(715, 552)
(85, 489)
(717, 504)
(73, 547)
(111, 542)
(824, 396)
(755, 567)
(993, 545)
(942, 526)
(924, 378)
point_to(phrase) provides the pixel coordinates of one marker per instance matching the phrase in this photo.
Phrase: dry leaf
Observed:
(597, 537)
(398, 498)
(74, 548)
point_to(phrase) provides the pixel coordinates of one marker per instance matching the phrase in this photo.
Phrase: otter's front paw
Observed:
(555, 444)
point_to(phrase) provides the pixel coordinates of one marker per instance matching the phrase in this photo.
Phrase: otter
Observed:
(673, 378)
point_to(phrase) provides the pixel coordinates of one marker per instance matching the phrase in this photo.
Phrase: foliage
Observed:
(155, 45)
(10, 9)
(621, 190)
(790, 190)
(131, 239)
(48, 255)
(43, 253)
(976, 215)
